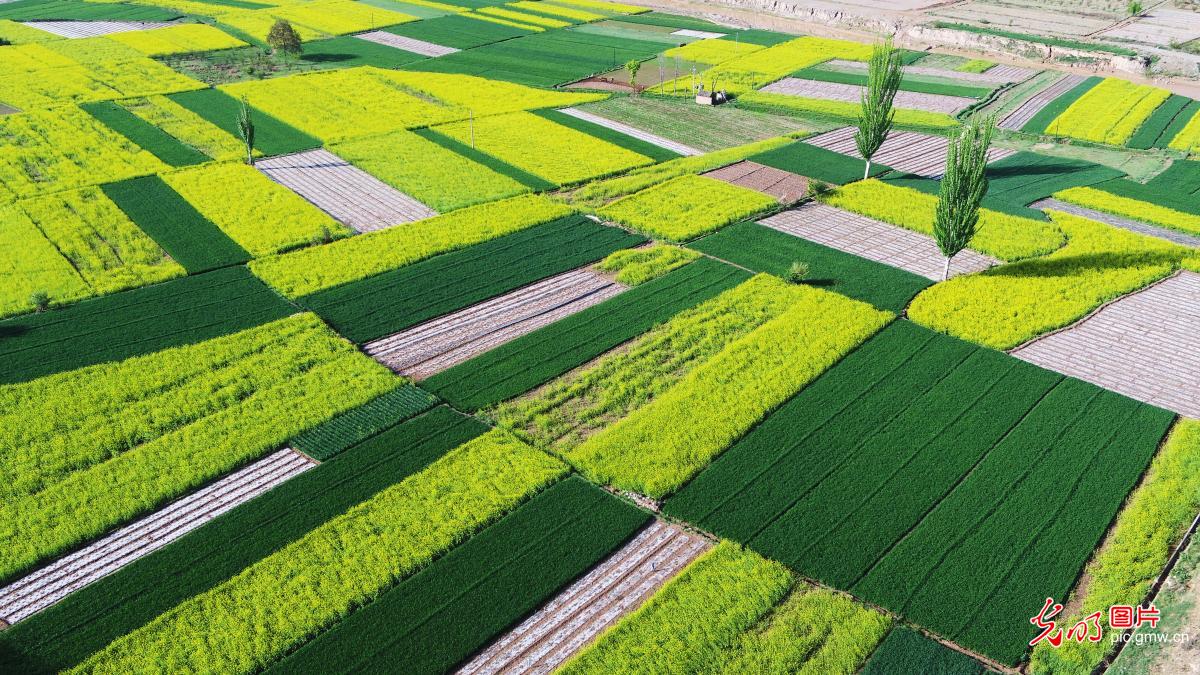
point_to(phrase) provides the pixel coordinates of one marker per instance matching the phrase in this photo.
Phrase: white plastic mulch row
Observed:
(852, 93)
(344, 191)
(436, 345)
(1117, 221)
(616, 587)
(38, 590)
(634, 132)
(1021, 116)
(406, 43)
(86, 29)
(907, 151)
(1142, 346)
(995, 76)
(702, 34)
(874, 240)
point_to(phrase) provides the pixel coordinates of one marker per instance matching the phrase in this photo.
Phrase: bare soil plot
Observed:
(1161, 26)
(702, 34)
(908, 151)
(38, 590)
(1118, 221)
(1011, 73)
(784, 186)
(632, 131)
(580, 613)
(993, 76)
(344, 191)
(1036, 17)
(1021, 116)
(434, 346)
(86, 29)
(406, 43)
(851, 93)
(874, 240)
(1142, 346)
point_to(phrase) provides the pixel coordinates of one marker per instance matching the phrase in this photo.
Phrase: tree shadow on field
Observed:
(329, 57)
(13, 330)
(995, 172)
(1068, 265)
(820, 283)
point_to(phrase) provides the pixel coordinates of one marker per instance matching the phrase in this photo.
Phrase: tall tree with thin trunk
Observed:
(245, 125)
(875, 118)
(963, 187)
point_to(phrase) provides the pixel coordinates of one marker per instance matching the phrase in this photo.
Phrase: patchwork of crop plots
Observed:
(646, 433)
(873, 240)
(930, 452)
(907, 151)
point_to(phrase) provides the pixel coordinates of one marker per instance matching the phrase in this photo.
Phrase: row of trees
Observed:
(964, 183)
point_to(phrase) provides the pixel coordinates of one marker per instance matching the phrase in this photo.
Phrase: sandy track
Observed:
(628, 130)
(1142, 346)
(784, 186)
(874, 240)
(48, 585)
(344, 191)
(596, 601)
(406, 43)
(1021, 116)
(852, 93)
(436, 345)
(908, 151)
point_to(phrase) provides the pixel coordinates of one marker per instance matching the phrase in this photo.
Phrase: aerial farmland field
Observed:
(582, 336)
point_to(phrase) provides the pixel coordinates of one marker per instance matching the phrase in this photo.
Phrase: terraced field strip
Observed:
(1011, 73)
(1017, 119)
(956, 486)
(784, 186)
(1142, 345)
(851, 93)
(908, 151)
(464, 600)
(34, 592)
(344, 191)
(874, 240)
(531, 360)
(988, 78)
(406, 43)
(566, 624)
(628, 130)
(432, 347)
(86, 29)
(65, 634)
(701, 34)
(115, 327)
(1118, 221)
(387, 303)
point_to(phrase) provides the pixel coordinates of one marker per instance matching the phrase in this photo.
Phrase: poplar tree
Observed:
(876, 117)
(963, 187)
(245, 126)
